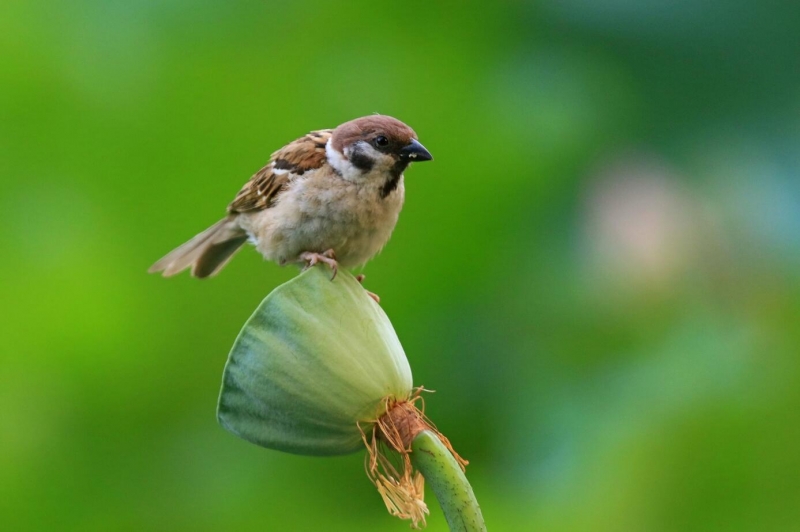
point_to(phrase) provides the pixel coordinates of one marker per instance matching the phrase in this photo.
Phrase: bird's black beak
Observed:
(415, 152)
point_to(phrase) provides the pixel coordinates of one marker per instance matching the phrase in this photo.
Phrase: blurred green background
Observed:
(598, 274)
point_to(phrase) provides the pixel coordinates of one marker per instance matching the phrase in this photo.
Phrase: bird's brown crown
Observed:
(368, 128)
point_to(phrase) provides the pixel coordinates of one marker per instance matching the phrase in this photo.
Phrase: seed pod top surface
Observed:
(315, 358)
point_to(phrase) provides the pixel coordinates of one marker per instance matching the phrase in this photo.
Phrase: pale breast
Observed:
(320, 212)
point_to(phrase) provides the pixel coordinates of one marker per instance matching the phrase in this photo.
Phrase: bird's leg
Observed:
(328, 257)
(360, 278)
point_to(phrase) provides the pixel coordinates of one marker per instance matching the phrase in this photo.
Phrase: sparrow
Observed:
(332, 196)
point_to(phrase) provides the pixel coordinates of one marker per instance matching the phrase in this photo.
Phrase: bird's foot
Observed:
(328, 257)
(360, 278)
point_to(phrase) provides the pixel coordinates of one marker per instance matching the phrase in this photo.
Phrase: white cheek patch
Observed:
(340, 163)
(367, 149)
(282, 171)
(335, 158)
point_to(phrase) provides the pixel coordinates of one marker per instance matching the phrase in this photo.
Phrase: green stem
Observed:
(448, 482)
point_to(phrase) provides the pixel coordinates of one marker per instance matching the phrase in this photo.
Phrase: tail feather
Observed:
(206, 253)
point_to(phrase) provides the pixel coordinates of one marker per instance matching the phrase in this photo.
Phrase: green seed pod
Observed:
(315, 359)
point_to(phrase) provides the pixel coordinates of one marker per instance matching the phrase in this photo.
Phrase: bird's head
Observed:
(374, 145)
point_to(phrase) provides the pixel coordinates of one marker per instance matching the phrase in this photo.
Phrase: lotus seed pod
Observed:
(316, 358)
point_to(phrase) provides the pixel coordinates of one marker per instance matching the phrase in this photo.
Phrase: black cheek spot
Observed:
(361, 161)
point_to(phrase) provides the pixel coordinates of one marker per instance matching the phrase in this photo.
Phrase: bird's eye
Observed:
(381, 141)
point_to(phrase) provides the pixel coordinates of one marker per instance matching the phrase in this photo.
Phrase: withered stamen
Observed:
(402, 491)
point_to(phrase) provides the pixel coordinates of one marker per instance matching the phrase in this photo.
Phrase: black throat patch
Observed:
(396, 173)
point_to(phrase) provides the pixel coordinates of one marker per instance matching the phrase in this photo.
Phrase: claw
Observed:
(360, 278)
(328, 257)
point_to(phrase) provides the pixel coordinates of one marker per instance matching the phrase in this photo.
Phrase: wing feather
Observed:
(287, 164)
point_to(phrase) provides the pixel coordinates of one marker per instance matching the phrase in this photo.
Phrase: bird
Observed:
(332, 196)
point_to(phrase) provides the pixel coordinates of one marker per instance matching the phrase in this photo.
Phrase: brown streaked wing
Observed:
(291, 161)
